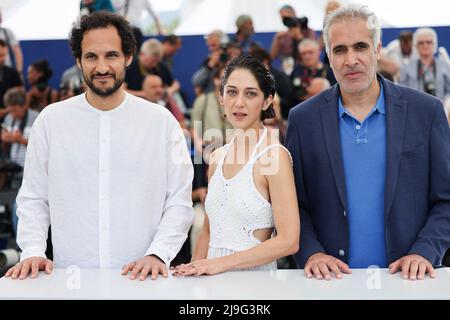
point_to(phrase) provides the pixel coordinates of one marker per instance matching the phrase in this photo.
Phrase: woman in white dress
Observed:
(252, 212)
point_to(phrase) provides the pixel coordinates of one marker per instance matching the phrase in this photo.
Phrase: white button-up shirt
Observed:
(114, 185)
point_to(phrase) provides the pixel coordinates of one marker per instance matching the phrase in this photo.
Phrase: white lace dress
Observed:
(235, 209)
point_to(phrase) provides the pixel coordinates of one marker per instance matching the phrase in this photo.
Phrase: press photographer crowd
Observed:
(414, 60)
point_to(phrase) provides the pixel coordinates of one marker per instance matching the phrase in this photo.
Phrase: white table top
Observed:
(249, 285)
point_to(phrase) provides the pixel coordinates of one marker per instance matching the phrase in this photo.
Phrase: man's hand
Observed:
(413, 267)
(321, 266)
(214, 58)
(17, 137)
(149, 264)
(6, 136)
(33, 264)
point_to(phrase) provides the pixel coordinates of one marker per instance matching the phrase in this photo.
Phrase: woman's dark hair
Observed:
(43, 67)
(262, 75)
(102, 19)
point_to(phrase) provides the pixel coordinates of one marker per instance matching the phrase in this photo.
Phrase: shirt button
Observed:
(358, 127)
(341, 252)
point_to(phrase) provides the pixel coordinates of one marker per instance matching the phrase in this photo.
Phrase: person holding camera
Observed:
(285, 43)
(15, 132)
(220, 51)
(311, 67)
(245, 31)
(428, 73)
(17, 124)
(9, 77)
(71, 83)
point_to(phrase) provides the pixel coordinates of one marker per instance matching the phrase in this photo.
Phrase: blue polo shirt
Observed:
(364, 156)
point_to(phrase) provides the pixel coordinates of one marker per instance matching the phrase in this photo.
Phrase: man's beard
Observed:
(106, 92)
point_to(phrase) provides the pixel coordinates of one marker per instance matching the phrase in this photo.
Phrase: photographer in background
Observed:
(15, 132)
(285, 43)
(9, 77)
(154, 91)
(71, 83)
(203, 79)
(428, 72)
(244, 34)
(17, 125)
(14, 58)
(310, 67)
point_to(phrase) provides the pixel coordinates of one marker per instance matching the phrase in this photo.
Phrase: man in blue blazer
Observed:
(371, 163)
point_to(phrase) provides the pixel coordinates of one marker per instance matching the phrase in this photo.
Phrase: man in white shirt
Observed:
(109, 170)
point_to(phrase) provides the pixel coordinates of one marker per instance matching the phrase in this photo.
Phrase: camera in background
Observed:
(430, 87)
(294, 22)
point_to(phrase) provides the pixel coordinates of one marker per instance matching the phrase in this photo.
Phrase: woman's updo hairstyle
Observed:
(262, 75)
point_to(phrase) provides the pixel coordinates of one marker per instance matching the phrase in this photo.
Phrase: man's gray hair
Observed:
(152, 47)
(308, 42)
(351, 12)
(425, 32)
(14, 97)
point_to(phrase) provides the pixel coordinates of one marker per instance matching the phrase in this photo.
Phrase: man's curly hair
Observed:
(102, 19)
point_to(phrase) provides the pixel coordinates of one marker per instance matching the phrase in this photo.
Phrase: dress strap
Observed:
(225, 152)
(260, 141)
(254, 159)
(255, 149)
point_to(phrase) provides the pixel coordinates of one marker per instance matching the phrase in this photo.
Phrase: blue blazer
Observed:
(417, 192)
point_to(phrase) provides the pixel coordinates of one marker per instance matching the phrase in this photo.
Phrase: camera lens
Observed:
(289, 22)
(430, 88)
(8, 258)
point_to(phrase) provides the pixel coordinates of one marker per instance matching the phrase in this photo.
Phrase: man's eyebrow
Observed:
(359, 43)
(339, 46)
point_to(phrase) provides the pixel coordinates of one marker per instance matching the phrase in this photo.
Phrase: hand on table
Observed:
(322, 266)
(143, 267)
(413, 267)
(33, 265)
(200, 267)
